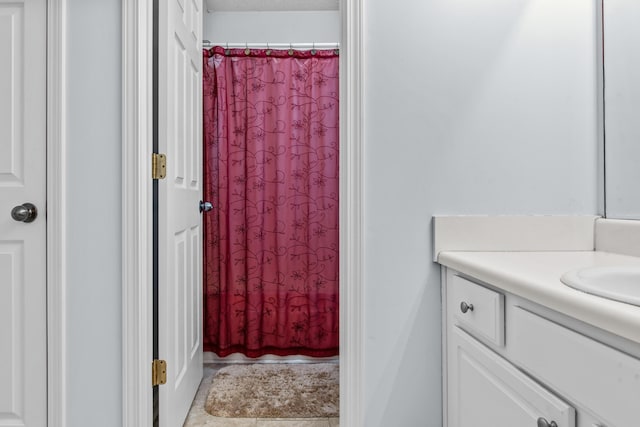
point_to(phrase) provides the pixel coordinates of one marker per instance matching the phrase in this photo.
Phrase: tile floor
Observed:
(198, 417)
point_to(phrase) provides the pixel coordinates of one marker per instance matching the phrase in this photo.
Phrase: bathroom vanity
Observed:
(521, 348)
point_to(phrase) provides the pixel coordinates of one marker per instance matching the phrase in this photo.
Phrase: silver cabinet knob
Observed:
(464, 307)
(205, 206)
(544, 423)
(25, 212)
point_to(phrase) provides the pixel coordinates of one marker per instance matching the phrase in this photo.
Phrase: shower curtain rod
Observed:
(262, 45)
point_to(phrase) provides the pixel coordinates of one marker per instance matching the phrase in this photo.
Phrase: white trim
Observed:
(137, 140)
(443, 317)
(56, 225)
(270, 5)
(351, 216)
(600, 125)
(237, 358)
(137, 286)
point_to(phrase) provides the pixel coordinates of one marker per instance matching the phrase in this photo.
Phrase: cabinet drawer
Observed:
(601, 378)
(485, 313)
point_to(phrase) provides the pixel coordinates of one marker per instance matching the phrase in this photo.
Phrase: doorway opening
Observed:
(137, 284)
(271, 162)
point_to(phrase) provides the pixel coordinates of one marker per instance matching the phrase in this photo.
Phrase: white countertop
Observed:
(536, 277)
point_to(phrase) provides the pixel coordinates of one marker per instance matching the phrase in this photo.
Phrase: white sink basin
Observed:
(615, 283)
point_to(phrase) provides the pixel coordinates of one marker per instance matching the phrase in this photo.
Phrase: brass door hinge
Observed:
(158, 166)
(159, 372)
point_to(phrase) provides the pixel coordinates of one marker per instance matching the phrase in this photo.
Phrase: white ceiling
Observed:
(270, 5)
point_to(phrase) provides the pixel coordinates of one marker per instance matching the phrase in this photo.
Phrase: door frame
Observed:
(56, 113)
(137, 325)
(137, 209)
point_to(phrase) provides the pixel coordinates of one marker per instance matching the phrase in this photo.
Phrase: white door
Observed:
(180, 230)
(23, 310)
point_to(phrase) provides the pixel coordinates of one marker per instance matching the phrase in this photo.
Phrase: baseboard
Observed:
(210, 357)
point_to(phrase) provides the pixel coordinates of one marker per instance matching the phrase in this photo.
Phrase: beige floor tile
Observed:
(292, 422)
(334, 422)
(221, 422)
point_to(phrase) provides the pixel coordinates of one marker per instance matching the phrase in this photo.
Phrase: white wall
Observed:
(470, 108)
(272, 27)
(622, 103)
(93, 300)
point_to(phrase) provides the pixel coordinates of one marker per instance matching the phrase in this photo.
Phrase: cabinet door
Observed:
(594, 375)
(486, 390)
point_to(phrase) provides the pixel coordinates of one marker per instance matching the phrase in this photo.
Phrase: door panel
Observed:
(11, 112)
(180, 231)
(23, 387)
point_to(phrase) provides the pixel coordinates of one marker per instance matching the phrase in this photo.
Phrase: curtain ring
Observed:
(313, 48)
(268, 51)
(226, 49)
(247, 51)
(290, 50)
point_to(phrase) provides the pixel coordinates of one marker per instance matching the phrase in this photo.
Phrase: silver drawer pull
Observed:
(544, 423)
(464, 307)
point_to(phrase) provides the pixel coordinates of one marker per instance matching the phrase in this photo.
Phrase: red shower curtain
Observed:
(271, 171)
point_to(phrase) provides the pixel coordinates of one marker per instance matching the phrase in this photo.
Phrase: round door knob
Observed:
(25, 212)
(205, 206)
(544, 423)
(464, 307)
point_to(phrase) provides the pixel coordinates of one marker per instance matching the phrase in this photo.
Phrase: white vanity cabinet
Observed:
(511, 363)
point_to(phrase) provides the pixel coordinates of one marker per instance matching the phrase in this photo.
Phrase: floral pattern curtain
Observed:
(271, 171)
